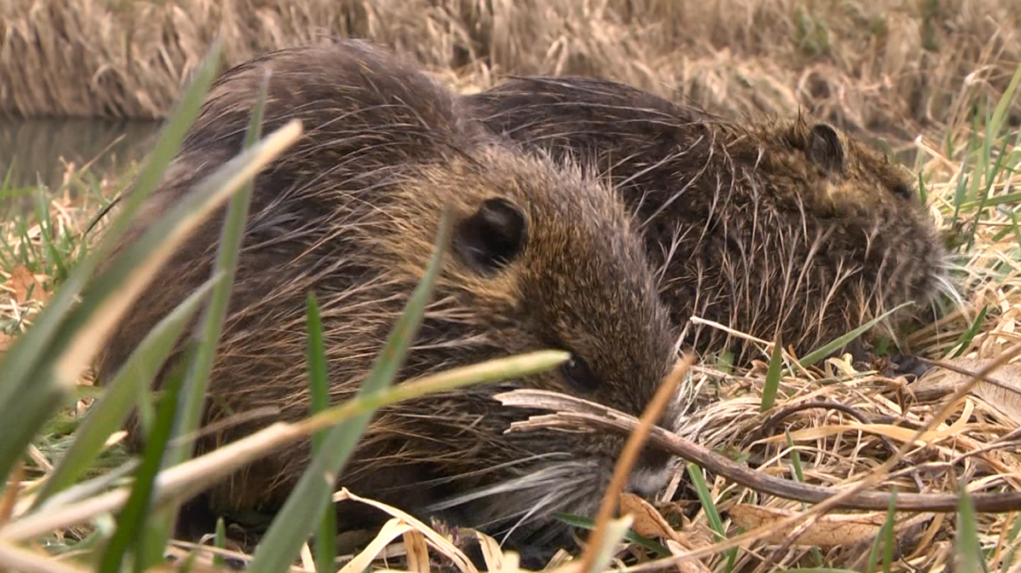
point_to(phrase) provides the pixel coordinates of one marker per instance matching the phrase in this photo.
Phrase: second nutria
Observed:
(541, 257)
(791, 228)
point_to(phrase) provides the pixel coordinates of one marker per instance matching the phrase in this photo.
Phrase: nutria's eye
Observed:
(903, 191)
(825, 149)
(492, 236)
(579, 374)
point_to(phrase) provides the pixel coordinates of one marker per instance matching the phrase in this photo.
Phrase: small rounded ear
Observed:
(492, 236)
(825, 148)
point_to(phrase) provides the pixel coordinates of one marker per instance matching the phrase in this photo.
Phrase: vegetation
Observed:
(900, 66)
(73, 501)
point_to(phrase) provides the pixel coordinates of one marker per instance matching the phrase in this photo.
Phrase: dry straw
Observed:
(895, 66)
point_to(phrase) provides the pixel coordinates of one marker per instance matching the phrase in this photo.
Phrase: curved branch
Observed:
(572, 412)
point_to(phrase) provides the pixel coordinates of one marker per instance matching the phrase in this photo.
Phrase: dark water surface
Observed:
(37, 150)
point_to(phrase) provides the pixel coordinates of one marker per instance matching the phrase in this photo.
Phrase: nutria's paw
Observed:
(909, 364)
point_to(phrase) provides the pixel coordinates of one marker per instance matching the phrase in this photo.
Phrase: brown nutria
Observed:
(789, 228)
(541, 257)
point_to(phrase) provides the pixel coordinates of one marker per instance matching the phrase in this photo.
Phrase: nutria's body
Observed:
(770, 228)
(541, 257)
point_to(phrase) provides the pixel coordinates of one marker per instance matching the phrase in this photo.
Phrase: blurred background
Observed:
(88, 80)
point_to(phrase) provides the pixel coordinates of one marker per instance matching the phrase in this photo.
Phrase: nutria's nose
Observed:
(647, 482)
(651, 474)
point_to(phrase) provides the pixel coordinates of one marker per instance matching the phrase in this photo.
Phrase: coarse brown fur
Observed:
(771, 228)
(541, 257)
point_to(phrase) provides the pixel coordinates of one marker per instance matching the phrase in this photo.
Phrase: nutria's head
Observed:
(872, 232)
(541, 257)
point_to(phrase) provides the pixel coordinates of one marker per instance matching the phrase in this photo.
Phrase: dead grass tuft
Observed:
(895, 67)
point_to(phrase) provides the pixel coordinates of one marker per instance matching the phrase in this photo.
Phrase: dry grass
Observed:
(908, 68)
(896, 67)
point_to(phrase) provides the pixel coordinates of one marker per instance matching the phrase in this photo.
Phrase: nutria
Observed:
(768, 227)
(541, 257)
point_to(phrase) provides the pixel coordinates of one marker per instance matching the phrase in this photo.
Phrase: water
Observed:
(38, 149)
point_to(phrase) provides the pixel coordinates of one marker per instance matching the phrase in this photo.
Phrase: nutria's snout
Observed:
(652, 473)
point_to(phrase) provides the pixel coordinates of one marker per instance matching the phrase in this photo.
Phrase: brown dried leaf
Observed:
(830, 530)
(25, 286)
(6, 341)
(1004, 395)
(647, 521)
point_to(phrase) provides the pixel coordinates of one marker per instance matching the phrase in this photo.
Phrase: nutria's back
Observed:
(541, 257)
(789, 228)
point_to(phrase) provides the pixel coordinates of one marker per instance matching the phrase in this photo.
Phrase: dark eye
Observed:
(579, 374)
(903, 191)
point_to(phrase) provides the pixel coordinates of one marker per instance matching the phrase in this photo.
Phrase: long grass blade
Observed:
(191, 477)
(325, 541)
(772, 384)
(108, 413)
(129, 522)
(291, 527)
(825, 350)
(210, 328)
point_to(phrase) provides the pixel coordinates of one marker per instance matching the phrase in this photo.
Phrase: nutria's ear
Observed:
(492, 236)
(825, 148)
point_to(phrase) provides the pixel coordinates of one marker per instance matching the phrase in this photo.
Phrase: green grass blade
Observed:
(711, 512)
(131, 518)
(188, 479)
(291, 527)
(888, 540)
(825, 350)
(210, 327)
(325, 541)
(799, 473)
(108, 413)
(967, 548)
(1005, 199)
(88, 325)
(885, 535)
(220, 542)
(706, 498)
(28, 350)
(46, 231)
(772, 385)
(1003, 106)
(968, 335)
(983, 201)
(211, 324)
(960, 192)
(581, 522)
